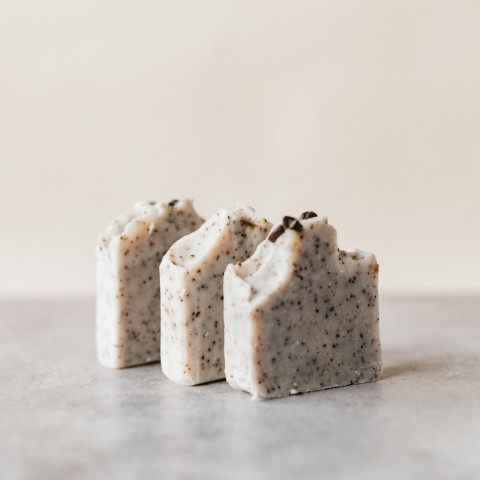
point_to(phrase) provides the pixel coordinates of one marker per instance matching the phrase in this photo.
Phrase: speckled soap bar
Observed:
(129, 253)
(300, 314)
(191, 278)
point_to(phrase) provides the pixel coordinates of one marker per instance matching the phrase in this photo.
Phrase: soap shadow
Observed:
(413, 367)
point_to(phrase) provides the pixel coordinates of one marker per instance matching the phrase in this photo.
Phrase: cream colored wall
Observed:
(367, 111)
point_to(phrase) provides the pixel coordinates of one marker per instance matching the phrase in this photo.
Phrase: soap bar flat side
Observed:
(191, 279)
(129, 252)
(300, 314)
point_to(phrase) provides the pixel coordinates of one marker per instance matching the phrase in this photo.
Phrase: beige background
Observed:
(367, 111)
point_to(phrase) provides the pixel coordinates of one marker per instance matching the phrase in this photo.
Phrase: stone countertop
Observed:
(64, 416)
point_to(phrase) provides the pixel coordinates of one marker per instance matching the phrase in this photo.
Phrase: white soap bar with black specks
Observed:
(191, 280)
(300, 314)
(129, 252)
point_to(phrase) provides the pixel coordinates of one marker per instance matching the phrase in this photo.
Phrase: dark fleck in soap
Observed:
(191, 279)
(129, 252)
(300, 314)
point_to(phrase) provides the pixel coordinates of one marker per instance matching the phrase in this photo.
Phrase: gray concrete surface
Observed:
(63, 416)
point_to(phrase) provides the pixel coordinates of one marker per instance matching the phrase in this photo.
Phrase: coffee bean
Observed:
(287, 221)
(292, 223)
(297, 226)
(275, 233)
(307, 215)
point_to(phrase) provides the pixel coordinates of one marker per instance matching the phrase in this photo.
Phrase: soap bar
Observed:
(191, 281)
(129, 252)
(300, 314)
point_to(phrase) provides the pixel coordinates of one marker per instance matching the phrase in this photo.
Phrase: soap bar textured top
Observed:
(300, 314)
(191, 279)
(129, 252)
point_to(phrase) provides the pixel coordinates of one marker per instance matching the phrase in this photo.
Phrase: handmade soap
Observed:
(191, 279)
(300, 314)
(129, 253)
